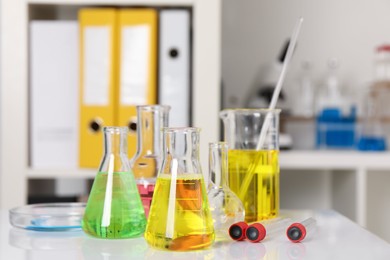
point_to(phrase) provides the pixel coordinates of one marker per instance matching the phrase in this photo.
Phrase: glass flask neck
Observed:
(218, 164)
(115, 150)
(181, 150)
(151, 120)
(115, 140)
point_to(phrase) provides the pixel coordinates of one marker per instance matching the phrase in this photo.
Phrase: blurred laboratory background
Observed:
(335, 118)
(335, 121)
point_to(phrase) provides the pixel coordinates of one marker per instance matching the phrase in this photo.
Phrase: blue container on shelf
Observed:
(371, 143)
(335, 130)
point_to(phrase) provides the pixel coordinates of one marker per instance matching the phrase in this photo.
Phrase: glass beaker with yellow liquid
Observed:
(179, 217)
(253, 171)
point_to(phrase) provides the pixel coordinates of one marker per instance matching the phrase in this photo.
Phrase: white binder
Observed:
(174, 69)
(54, 94)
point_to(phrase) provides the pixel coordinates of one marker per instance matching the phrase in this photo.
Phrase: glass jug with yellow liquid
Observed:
(180, 218)
(253, 170)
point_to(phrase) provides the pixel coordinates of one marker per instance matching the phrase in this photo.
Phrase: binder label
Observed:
(134, 64)
(96, 65)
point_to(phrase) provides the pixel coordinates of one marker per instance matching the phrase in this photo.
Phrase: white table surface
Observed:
(336, 238)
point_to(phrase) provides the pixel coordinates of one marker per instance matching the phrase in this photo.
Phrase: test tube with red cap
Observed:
(256, 232)
(298, 231)
(237, 231)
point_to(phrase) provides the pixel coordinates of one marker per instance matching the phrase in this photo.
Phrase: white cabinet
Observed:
(14, 95)
(351, 182)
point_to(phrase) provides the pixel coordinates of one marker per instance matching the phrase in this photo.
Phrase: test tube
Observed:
(256, 232)
(298, 231)
(237, 231)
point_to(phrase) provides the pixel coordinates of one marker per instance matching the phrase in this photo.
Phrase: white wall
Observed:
(1, 127)
(254, 31)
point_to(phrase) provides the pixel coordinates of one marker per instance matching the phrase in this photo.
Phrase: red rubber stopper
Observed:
(237, 231)
(255, 232)
(300, 235)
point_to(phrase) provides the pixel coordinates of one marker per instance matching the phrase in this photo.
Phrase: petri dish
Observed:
(33, 240)
(48, 216)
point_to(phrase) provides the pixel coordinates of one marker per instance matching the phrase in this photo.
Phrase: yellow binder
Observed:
(138, 66)
(98, 64)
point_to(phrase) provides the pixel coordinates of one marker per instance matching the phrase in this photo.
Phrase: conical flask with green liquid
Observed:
(114, 209)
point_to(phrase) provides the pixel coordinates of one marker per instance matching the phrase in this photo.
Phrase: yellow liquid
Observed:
(190, 226)
(261, 199)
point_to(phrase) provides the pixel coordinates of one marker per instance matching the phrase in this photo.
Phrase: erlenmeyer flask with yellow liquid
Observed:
(253, 172)
(180, 218)
(114, 208)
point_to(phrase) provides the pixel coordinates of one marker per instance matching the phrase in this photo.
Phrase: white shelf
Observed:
(115, 2)
(311, 160)
(14, 91)
(60, 174)
(334, 160)
(351, 187)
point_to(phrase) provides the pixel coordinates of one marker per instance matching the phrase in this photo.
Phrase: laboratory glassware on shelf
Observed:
(372, 137)
(253, 170)
(376, 104)
(336, 113)
(226, 208)
(180, 217)
(114, 208)
(145, 163)
(304, 92)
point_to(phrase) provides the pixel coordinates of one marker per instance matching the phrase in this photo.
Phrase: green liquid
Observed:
(114, 208)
